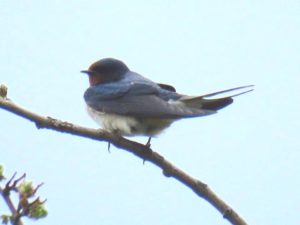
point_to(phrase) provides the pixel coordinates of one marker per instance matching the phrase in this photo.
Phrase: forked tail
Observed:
(201, 102)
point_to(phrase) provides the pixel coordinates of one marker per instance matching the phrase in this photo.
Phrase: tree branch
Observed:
(140, 150)
(5, 192)
(26, 207)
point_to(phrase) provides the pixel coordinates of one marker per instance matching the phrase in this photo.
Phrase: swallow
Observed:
(128, 104)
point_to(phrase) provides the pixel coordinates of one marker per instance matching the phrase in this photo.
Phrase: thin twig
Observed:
(140, 150)
(5, 192)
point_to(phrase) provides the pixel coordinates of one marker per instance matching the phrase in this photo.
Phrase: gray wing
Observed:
(167, 87)
(139, 100)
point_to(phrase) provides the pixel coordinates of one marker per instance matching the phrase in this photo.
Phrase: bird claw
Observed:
(148, 144)
(108, 147)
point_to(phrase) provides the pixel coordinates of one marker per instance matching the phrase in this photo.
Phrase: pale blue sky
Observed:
(248, 153)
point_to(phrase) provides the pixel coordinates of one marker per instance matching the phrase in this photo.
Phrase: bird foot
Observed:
(108, 147)
(148, 144)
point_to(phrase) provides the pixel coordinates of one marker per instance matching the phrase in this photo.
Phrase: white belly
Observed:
(127, 125)
(113, 122)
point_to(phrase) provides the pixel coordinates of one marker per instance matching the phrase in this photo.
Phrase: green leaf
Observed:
(26, 188)
(38, 212)
(5, 219)
(3, 91)
(1, 172)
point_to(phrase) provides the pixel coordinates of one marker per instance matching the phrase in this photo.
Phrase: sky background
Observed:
(248, 153)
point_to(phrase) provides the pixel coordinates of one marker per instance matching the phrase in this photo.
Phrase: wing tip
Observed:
(244, 92)
(229, 90)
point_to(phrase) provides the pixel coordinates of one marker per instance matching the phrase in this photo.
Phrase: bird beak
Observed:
(87, 72)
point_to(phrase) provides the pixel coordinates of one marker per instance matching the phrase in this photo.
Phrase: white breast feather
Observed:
(113, 122)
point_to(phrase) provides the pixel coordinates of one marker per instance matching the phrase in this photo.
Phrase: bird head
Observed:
(105, 71)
